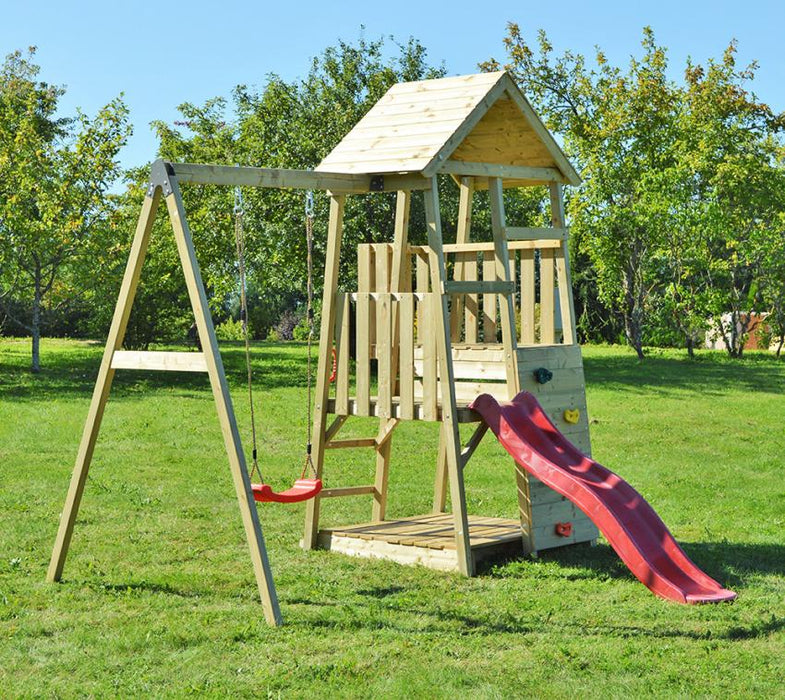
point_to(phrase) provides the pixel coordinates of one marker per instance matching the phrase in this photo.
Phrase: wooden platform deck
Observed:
(425, 539)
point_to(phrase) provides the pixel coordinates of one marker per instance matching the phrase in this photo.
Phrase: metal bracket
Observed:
(377, 183)
(161, 172)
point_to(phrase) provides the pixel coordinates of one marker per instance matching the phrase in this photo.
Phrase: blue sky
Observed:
(163, 53)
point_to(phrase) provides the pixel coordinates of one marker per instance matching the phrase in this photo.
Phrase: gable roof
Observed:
(476, 119)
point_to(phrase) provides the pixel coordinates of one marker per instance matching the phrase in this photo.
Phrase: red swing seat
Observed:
(303, 490)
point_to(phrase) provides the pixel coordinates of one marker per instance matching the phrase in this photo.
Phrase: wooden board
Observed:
(428, 540)
(159, 361)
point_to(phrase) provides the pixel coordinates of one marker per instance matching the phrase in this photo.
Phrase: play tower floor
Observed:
(425, 539)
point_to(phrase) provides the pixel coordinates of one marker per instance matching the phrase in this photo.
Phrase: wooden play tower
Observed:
(435, 325)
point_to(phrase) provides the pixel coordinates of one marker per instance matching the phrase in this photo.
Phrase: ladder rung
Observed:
(347, 491)
(353, 442)
(535, 234)
(159, 361)
(470, 287)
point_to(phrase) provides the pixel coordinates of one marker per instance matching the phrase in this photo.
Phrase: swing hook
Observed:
(309, 210)
(238, 201)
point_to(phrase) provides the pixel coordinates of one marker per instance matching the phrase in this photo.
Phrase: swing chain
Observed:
(309, 217)
(239, 237)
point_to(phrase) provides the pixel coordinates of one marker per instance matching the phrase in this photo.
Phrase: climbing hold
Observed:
(572, 415)
(563, 529)
(543, 375)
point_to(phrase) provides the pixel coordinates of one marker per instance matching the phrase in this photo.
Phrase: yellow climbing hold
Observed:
(572, 415)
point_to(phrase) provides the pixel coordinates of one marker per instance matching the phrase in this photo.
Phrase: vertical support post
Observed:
(441, 326)
(462, 235)
(528, 294)
(440, 481)
(507, 307)
(223, 402)
(506, 304)
(465, 200)
(103, 383)
(334, 236)
(397, 284)
(566, 300)
(547, 296)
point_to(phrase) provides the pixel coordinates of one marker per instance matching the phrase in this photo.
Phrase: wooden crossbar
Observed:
(517, 172)
(350, 442)
(487, 247)
(285, 178)
(347, 491)
(525, 233)
(159, 361)
(473, 287)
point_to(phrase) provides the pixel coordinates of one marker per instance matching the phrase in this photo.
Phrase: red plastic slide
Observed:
(628, 522)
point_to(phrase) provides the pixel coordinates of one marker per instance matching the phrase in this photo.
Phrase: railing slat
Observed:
(363, 355)
(384, 356)
(406, 364)
(547, 298)
(342, 350)
(489, 301)
(430, 395)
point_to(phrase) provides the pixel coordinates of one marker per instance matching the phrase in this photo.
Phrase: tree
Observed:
(54, 175)
(619, 127)
(730, 148)
(682, 200)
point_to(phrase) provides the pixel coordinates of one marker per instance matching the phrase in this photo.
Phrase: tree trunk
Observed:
(632, 325)
(35, 326)
(633, 307)
(690, 346)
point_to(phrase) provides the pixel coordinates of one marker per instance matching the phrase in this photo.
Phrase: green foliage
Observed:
(158, 596)
(230, 330)
(54, 174)
(681, 207)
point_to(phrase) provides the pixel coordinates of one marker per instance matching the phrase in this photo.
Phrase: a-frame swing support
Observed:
(164, 182)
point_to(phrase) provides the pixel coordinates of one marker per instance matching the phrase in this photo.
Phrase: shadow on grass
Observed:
(507, 624)
(711, 374)
(140, 587)
(73, 374)
(729, 563)
(726, 562)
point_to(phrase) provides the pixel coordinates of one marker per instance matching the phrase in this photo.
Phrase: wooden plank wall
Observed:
(404, 369)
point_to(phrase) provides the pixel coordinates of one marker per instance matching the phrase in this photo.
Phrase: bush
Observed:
(230, 330)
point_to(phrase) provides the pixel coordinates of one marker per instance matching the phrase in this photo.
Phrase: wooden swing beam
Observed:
(283, 178)
(164, 182)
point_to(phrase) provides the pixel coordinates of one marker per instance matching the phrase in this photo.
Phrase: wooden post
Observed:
(462, 235)
(566, 301)
(506, 304)
(440, 481)
(334, 236)
(397, 284)
(547, 296)
(441, 325)
(507, 307)
(223, 402)
(103, 383)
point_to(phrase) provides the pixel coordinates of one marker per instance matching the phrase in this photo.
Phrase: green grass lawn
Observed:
(158, 595)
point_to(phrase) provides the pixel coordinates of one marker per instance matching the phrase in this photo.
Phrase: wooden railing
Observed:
(538, 272)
